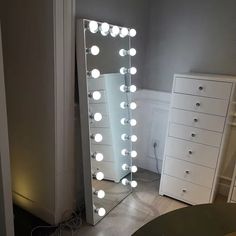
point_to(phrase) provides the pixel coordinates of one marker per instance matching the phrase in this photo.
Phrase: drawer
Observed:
(200, 104)
(192, 152)
(98, 107)
(195, 135)
(97, 84)
(203, 88)
(189, 172)
(234, 194)
(185, 191)
(107, 151)
(106, 134)
(104, 123)
(198, 120)
(103, 98)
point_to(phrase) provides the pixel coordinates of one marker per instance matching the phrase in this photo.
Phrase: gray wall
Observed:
(189, 35)
(131, 13)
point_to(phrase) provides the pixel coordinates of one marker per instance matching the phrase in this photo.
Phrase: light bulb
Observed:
(93, 26)
(123, 52)
(99, 176)
(124, 181)
(132, 52)
(97, 116)
(124, 121)
(124, 152)
(125, 167)
(133, 122)
(133, 154)
(97, 137)
(132, 88)
(98, 156)
(123, 70)
(133, 184)
(133, 105)
(132, 70)
(133, 138)
(134, 169)
(132, 33)
(124, 137)
(95, 73)
(115, 30)
(123, 88)
(123, 105)
(101, 211)
(104, 28)
(94, 50)
(124, 32)
(100, 194)
(96, 95)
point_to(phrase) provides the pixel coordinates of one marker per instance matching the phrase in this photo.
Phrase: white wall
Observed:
(152, 115)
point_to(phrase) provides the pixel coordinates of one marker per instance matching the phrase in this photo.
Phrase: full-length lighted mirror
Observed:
(105, 95)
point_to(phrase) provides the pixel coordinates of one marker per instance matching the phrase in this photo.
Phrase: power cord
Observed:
(156, 157)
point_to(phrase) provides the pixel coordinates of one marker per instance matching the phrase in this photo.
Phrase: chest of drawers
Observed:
(197, 130)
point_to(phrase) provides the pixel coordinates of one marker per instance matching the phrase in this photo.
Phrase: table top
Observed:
(198, 220)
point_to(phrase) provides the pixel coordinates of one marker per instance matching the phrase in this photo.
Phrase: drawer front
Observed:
(200, 104)
(203, 88)
(106, 136)
(195, 135)
(104, 123)
(189, 172)
(198, 120)
(101, 108)
(185, 191)
(234, 195)
(97, 84)
(107, 151)
(192, 152)
(107, 168)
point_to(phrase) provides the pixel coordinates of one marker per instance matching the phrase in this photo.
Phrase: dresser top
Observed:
(214, 77)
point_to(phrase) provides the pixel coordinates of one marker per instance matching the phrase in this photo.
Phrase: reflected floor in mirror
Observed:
(143, 205)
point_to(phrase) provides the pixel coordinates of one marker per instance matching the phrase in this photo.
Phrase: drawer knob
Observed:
(190, 152)
(200, 88)
(193, 135)
(195, 119)
(198, 104)
(187, 171)
(184, 190)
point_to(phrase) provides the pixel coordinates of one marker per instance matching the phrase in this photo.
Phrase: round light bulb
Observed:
(99, 176)
(95, 73)
(132, 70)
(93, 26)
(132, 52)
(98, 156)
(124, 32)
(124, 152)
(123, 70)
(94, 50)
(123, 88)
(97, 116)
(96, 95)
(101, 211)
(123, 52)
(104, 28)
(125, 167)
(98, 138)
(100, 194)
(123, 105)
(132, 105)
(133, 154)
(124, 181)
(133, 184)
(133, 122)
(134, 169)
(132, 33)
(133, 138)
(124, 137)
(123, 121)
(115, 30)
(132, 88)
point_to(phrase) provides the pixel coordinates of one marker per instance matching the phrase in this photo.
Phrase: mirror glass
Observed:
(109, 91)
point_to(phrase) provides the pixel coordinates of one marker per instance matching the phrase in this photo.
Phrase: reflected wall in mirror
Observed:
(105, 95)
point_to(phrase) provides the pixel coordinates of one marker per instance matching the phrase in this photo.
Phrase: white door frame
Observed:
(5, 174)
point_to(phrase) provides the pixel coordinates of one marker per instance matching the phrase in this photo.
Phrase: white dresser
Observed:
(197, 130)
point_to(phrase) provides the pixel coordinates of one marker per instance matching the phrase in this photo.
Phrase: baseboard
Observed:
(34, 208)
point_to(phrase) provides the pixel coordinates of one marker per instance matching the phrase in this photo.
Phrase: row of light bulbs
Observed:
(106, 29)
